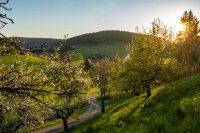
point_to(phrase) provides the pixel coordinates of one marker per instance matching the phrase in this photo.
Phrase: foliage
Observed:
(150, 55)
(100, 75)
(191, 24)
(117, 79)
(40, 89)
(68, 77)
(21, 88)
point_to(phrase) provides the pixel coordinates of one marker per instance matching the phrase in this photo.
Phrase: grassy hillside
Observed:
(173, 108)
(106, 49)
(106, 43)
(28, 60)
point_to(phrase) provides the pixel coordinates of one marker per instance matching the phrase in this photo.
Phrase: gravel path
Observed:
(92, 109)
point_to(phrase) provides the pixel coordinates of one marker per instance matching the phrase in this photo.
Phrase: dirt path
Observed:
(92, 109)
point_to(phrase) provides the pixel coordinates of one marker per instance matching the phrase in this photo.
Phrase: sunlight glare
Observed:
(180, 27)
(177, 27)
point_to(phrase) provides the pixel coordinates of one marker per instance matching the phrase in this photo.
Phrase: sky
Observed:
(56, 18)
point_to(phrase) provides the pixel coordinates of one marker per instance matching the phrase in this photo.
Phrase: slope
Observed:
(106, 43)
(172, 108)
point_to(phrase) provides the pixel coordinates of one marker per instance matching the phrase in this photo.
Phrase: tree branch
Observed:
(4, 3)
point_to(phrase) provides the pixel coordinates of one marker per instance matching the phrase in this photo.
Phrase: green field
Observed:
(173, 108)
(27, 59)
(108, 49)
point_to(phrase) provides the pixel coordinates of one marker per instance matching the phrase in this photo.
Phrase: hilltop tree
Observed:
(150, 53)
(188, 46)
(191, 24)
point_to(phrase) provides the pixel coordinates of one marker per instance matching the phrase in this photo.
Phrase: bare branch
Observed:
(3, 16)
(8, 9)
(4, 3)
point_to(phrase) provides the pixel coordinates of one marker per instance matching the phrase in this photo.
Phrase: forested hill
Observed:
(89, 38)
(101, 37)
(36, 42)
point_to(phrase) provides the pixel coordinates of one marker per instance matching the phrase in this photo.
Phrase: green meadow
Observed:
(107, 49)
(27, 59)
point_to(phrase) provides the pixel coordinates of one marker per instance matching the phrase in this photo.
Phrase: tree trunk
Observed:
(102, 105)
(1, 113)
(65, 125)
(148, 91)
(17, 127)
(102, 87)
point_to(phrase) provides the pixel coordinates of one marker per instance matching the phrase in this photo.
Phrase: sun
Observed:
(179, 27)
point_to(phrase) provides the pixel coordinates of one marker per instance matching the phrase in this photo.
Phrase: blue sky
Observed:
(55, 18)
